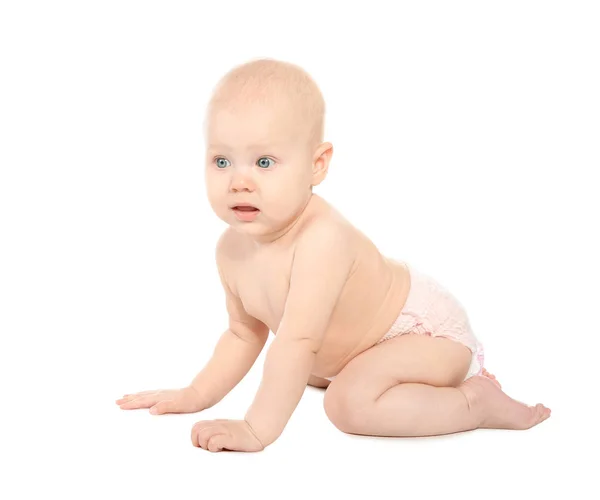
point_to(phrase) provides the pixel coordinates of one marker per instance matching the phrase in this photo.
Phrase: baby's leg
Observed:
(318, 382)
(410, 386)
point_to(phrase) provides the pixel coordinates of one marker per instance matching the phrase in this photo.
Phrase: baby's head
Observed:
(264, 145)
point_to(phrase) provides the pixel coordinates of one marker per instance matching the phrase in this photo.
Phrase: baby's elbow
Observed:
(254, 332)
(296, 343)
(308, 343)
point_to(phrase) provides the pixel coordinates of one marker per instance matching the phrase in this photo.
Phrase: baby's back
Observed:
(370, 300)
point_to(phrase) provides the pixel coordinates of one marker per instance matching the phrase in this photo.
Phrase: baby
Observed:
(392, 346)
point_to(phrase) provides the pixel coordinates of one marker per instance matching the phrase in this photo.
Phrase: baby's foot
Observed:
(487, 374)
(496, 410)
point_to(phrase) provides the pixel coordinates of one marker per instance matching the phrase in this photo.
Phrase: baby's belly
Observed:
(364, 315)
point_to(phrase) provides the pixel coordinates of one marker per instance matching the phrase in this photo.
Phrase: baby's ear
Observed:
(321, 161)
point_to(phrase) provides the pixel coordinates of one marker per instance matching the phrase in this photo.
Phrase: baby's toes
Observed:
(492, 377)
(542, 413)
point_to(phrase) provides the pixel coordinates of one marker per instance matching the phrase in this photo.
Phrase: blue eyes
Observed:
(220, 162)
(262, 162)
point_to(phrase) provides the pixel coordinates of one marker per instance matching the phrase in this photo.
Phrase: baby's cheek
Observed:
(212, 200)
(214, 192)
(286, 205)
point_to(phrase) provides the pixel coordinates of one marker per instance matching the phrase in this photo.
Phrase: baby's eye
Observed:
(264, 162)
(221, 162)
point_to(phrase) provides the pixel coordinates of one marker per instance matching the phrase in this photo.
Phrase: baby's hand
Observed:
(186, 400)
(231, 435)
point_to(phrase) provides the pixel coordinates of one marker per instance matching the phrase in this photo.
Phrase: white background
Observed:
(466, 138)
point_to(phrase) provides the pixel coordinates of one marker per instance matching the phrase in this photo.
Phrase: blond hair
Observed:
(272, 82)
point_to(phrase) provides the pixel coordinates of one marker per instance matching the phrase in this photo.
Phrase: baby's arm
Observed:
(238, 347)
(234, 355)
(322, 263)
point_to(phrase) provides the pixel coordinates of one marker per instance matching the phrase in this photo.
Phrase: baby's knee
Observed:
(343, 410)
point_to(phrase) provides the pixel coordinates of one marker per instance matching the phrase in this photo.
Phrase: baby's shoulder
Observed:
(329, 234)
(328, 220)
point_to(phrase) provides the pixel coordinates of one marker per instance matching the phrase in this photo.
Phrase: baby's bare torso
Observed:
(370, 300)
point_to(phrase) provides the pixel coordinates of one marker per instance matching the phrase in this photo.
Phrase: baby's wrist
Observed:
(263, 443)
(203, 399)
(261, 432)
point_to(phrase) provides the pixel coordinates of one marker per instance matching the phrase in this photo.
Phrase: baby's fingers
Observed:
(166, 406)
(141, 393)
(129, 397)
(140, 402)
(201, 437)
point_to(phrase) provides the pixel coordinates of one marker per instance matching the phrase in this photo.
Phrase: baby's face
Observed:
(257, 155)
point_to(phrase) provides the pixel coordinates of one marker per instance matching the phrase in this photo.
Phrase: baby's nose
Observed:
(241, 181)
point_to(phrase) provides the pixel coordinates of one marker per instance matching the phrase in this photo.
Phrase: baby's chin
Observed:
(260, 227)
(257, 226)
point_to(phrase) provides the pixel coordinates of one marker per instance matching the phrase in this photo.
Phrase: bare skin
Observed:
(318, 382)
(298, 268)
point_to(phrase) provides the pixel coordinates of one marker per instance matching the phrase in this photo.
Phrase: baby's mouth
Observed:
(246, 213)
(246, 209)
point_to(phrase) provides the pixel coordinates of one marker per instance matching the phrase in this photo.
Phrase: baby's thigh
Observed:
(318, 382)
(409, 358)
